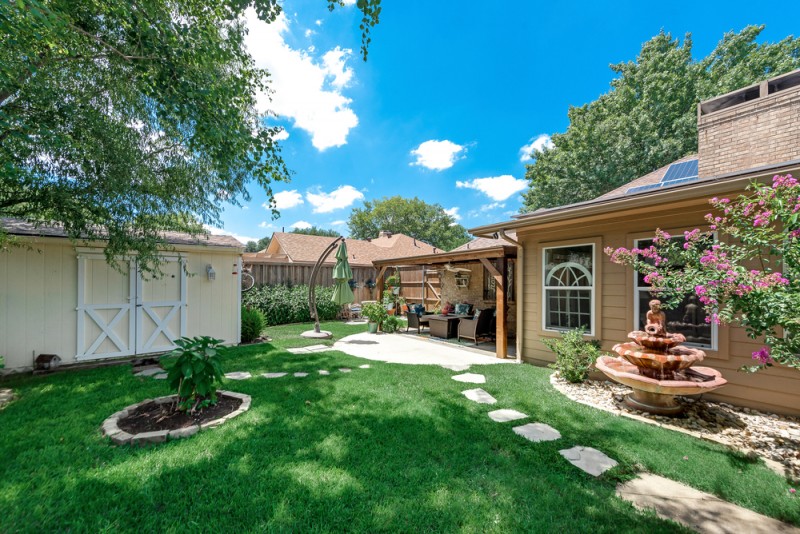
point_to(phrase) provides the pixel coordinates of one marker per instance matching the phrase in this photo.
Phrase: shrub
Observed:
(374, 312)
(391, 324)
(284, 305)
(253, 323)
(574, 355)
(195, 372)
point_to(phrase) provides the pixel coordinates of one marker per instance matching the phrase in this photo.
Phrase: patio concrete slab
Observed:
(537, 432)
(470, 378)
(503, 416)
(588, 459)
(411, 350)
(457, 368)
(300, 375)
(480, 396)
(697, 510)
(273, 375)
(238, 375)
(309, 350)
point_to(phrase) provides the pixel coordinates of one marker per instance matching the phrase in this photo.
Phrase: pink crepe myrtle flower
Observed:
(762, 355)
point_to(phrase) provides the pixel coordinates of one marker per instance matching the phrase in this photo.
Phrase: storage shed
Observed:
(61, 298)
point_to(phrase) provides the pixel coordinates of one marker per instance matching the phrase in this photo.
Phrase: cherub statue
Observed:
(656, 320)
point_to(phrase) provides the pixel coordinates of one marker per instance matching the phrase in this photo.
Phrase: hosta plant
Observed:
(196, 371)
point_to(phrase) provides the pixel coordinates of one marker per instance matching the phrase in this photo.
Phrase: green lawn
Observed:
(391, 448)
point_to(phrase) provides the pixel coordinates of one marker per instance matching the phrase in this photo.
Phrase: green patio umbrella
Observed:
(342, 294)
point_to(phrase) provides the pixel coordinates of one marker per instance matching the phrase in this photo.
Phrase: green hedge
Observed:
(283, 305)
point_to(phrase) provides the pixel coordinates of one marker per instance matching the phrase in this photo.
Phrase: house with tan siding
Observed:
(565, 279)
(63, 298)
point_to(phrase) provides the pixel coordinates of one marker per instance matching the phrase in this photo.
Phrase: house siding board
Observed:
(777, 390)
(39, 295)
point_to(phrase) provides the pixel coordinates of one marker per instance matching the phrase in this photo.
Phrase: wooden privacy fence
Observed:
(419, 285)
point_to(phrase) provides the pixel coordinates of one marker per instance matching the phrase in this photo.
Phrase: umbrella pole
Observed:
(312, 297)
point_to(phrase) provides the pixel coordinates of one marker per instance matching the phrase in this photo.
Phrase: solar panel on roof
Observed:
(641, 188)
(676, 171)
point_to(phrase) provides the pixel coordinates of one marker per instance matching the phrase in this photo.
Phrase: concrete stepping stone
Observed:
(503, 416)
(238, 375)
(273, 375)
(458, 368)
(588, 459)
(537, 432)
(471, 378)
(323, 372)
(480, 396)
(150, 372)
(318, 348)
(160, 376)
(300, 375)
(345, 370)
(365, 366)
(298, 350)
(697, 510)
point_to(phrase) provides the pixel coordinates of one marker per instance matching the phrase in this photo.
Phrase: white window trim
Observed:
(545, 287)
(637, 289)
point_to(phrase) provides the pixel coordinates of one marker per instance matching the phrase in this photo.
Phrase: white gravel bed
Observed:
(773, 437)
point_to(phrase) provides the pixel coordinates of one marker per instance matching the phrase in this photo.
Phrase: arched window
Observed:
(569, 288)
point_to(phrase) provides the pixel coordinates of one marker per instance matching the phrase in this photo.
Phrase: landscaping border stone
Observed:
(110, 426)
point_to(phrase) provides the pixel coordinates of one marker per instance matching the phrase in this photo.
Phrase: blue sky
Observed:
(450, 94)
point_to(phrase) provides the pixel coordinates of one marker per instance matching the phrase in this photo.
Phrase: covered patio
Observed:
(480, 273)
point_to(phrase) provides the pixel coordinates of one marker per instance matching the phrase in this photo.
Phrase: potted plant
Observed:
(375, 314)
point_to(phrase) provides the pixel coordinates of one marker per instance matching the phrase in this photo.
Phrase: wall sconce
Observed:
(212, 274)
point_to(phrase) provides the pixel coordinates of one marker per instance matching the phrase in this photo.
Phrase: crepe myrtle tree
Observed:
(750, 276)
(123, 119)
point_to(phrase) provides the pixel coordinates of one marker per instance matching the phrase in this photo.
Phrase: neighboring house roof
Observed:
(24, 228)
(301, 248)
(485, 242)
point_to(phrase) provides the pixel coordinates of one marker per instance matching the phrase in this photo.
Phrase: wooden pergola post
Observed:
(379, 284)
(501, 341)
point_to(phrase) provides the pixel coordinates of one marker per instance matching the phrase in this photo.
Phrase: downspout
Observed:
(519, 290)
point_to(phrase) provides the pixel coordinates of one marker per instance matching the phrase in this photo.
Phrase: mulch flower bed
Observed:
(152, 417)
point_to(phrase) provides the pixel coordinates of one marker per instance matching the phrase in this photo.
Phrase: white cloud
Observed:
(219, 231)
(339, 223)
(267, 225)
(285, 200)
(318, 22)
(349, 2)
(309, 32)
(453, 212)
(302, 225)
(304, 88)
(539, 143)
(493, 206)
(437, 155)
(498, 188)
(341, 197)
(283, 135)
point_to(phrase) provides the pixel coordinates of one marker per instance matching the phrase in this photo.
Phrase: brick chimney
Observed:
(751, 127)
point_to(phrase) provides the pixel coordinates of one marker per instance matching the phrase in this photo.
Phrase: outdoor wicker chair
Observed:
(477, 327)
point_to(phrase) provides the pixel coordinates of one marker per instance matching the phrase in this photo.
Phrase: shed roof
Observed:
(287, 247)
(25, 228)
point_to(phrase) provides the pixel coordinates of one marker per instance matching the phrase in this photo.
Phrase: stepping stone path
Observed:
(480, 396)
(503, 416)
(6, 396)
(323, 372)
(588, 459)
(345, 370)
(458, 368)
(160, 376)
(310, 349)
(150, 372)
(537, 432)
(300, 375)
(470, 378)
(238, 375)
(365, 366)
(273, 375)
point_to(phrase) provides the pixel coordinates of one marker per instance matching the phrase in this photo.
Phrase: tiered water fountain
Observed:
(658, 368)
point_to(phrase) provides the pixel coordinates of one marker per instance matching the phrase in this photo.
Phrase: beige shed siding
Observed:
(777, 389)
(38, 299)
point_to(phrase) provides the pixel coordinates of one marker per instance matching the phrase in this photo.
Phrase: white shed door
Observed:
(106, 312)
(124, 313)
(161, 309)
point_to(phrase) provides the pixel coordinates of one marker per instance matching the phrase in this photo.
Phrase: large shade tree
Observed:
(649, 118)
(413, 217)
(122, 119)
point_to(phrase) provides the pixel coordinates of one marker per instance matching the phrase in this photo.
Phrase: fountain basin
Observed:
(659, 366)
(655, 342)
(658, 396)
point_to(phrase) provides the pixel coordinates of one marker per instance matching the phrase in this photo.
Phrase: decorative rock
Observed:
(470, 378)
(324, 372)
(273, 375)
(588, 459)
(158, 436)
(457, 368)
(238, 375)
(300, 375)
(480, 396)
(503, 416)
(537, 432)
(344, 370)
